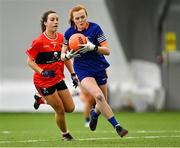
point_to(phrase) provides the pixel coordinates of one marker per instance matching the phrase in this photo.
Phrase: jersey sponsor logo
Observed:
(46, 46)
(45, 91)
(57, 57)
(48, 57)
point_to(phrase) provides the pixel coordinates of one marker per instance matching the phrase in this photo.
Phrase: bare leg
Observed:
(67, 100)
(56, 103)
(89, 102)
(90, 84)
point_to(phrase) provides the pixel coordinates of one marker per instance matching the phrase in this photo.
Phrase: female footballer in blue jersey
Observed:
(90, 64)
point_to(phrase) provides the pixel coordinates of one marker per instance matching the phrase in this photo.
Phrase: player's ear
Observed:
(45, 23)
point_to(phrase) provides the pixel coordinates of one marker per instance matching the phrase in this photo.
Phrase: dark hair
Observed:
(44, 19)
(75, 9)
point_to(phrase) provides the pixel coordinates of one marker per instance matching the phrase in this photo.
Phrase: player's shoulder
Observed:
(38, 40)
(71, 30)
(94, 25)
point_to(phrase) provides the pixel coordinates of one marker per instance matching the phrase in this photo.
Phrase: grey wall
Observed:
(20, 25)
(0, 45)
(171, 70)
(136, 24)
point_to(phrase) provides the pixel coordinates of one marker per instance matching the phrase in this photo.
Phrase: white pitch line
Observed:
(156, 131)
(128, 137)
(151, 137)
(93, 139)
(5, 132)
(24, 141)
(139, 131)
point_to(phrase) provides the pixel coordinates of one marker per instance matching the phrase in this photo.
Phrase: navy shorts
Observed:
(50, 90)
(99, 76)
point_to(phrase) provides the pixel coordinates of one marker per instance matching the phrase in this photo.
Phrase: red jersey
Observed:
(46, 53)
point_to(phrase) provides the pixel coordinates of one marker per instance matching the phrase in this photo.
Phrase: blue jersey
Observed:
(92, 60)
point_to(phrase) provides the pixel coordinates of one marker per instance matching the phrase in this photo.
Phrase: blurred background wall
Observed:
(136, 31)
(150, 29)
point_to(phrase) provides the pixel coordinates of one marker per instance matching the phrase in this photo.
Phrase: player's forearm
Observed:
(69, 66)
(63, 53)
(34, 66)
(63, 56)
(103, 50)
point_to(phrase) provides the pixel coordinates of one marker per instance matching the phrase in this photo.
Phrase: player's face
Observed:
(80, 19)
(52, 22)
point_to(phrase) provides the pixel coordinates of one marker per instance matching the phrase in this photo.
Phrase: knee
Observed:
(90, 101)
(59, 110)
(70, 109)
(99, 97)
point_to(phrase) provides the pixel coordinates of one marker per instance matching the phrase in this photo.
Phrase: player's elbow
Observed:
(29, 61)
(107, 51)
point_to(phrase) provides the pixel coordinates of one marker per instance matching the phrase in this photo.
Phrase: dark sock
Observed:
(87, 119)
(113, 121)
(94, 114)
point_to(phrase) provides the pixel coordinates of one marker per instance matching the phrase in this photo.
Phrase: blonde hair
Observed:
(75, 9)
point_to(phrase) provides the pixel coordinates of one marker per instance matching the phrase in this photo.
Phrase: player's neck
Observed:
(51, 35)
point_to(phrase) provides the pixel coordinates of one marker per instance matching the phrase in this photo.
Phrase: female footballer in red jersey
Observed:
(44, 57)
(91, 66)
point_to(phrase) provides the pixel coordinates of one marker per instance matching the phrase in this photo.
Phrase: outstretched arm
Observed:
(66, 54)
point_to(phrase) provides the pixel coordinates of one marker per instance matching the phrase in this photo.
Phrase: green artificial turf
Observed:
(161, 129)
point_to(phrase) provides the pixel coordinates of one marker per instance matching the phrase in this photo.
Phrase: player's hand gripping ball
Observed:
(75, 40)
